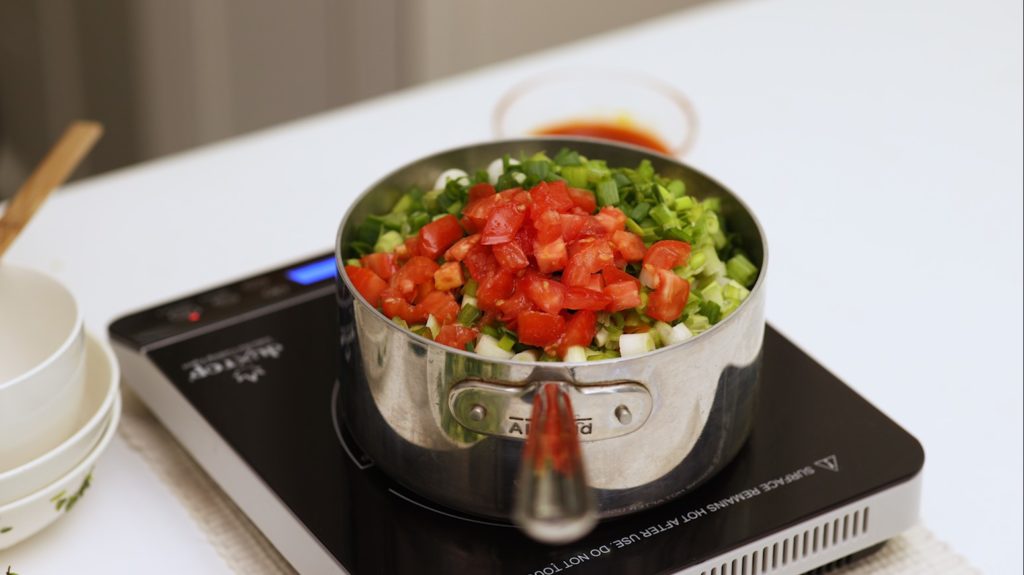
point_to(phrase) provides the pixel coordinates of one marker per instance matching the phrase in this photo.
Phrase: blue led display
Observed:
(313, 272)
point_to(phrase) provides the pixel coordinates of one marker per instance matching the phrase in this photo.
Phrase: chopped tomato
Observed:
(611, 219)
(667, 302)
(667, 254)
(441, 305)
(477, 211)
(479, 192)
(455, 335)
(584, 199)
(394, 305)
(590, 257)
(510, 255)
(448, 276)
(539, 328)
(422, 289)
(629, 245)
(503, 223)
(367, 283)
(416, 271)
(410, 248)
(572, 225)
(583, 298)
(551, 257)
(624, 295)
(596, 283)
(516, 195)
(546, 293)
(494, 288)
(515, 304)
(579, 330)
(384, 265)
(439, 235)
(525, 238)
(575, 226)
(613, 275)
(458, 251)
(548, 226)
(549, 196)
(481, 262)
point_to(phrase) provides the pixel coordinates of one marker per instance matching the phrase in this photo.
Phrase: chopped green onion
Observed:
(470, 287)
(607, 193)
(528, 355)
(491, 331)
(635, 344)
(640, 211)
(697, 323)
(677, 188)
(663, 215)
(697, 260)
(735, 291)
(666, 196)
(634, 227)
(405, 203)
(368, 231)
(684, 203)
(618, 320)
(713, 204)
(712, 311)
(741, 269)
(576, 176)
(632, 318)
(567, 157)
(417, 220)
(354, 262)
(430, 200)
(455, 208)
(486, 345)
(507, 342)
(468, 315)
(388, 241)
(575, 354)
(713, 293)
(536, 170)
(433, 325)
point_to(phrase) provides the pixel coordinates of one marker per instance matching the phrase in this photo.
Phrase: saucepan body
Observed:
(451, 424)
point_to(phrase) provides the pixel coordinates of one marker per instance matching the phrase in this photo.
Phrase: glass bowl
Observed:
(614, 105)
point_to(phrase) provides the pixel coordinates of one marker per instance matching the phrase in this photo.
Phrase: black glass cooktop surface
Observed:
(258, 361)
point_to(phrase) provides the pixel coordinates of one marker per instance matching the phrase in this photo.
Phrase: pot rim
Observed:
(339, 261)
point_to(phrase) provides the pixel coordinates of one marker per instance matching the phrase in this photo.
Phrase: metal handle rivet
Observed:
(623, 414)
(478, 412)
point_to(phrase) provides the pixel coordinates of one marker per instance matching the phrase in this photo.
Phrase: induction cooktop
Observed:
(245, 377)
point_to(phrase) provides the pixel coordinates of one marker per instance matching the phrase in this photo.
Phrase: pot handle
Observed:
(553, 503)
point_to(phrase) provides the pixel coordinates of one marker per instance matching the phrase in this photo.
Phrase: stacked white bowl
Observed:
(59, 402)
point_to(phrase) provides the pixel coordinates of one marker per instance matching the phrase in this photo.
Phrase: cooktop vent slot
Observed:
(803, 545)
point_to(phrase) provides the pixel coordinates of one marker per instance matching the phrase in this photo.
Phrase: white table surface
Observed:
(880, 142)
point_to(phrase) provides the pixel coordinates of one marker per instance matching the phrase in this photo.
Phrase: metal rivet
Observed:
(477, 412)
(623, 414)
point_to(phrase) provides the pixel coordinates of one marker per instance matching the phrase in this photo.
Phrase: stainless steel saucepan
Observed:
(602, 438)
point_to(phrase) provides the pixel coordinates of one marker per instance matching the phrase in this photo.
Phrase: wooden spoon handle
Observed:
(55, 168)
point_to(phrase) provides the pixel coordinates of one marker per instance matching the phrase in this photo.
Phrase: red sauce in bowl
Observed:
(606, 131)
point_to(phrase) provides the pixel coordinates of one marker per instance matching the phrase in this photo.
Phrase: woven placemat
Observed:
(246, 550)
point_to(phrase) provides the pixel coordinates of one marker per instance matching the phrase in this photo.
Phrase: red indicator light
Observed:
(193, 316)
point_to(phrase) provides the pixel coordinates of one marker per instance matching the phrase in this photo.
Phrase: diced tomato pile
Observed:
(545, 261)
